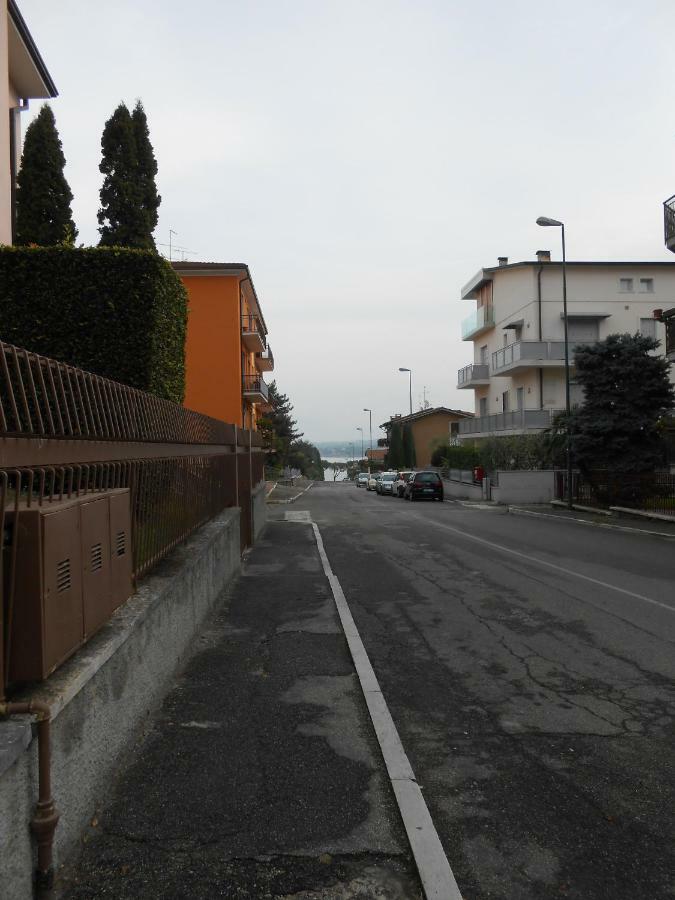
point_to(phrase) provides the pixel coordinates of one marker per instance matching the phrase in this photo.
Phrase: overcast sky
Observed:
(366, 157)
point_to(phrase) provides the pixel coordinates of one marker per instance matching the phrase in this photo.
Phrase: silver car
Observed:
(386, 482)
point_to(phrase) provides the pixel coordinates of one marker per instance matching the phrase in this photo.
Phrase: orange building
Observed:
(226, 349)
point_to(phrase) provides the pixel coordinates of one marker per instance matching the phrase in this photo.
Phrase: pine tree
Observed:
(123, 217)
(147, 170)
(627, 391)
(278, 428)
(43, 197)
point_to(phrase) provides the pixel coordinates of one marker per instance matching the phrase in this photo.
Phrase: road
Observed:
(528, 666)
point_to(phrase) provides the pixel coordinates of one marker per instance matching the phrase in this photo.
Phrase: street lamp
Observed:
(358, 428)
(554, 223)
(370, 417)
(409, 371)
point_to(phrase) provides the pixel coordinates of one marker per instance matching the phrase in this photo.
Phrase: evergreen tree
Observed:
(123, 217)
(408, 447)
(43, 197)
(278, 428)
(395, 455)
(627, 392)
(146, 171)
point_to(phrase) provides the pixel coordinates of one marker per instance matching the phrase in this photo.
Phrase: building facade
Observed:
(23, 77)
(517, 332)
(430, 428)
(226, 348)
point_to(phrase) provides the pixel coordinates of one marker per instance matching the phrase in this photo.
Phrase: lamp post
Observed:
(370, 418)
(358, 428)
(409, 371)
(554, 223)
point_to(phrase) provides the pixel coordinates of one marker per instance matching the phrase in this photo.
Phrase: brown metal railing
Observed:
(65, 433)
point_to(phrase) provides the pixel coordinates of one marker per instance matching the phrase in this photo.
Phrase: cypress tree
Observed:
(408, 447)
(146, 171)
(395, 456)
(43, 197)
(122, 217)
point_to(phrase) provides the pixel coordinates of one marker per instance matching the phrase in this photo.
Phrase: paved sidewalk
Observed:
(260, 776)
(621, 522)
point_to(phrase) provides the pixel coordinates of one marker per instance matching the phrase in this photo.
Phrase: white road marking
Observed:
(297, 515)
(549, 565)
(432, 864)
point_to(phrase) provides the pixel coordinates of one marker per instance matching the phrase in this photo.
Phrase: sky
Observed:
(367, 157)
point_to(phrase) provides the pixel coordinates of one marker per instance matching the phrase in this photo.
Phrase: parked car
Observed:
(401, 481)
(385, 484)
(372, 481)
(362, 479)
(424, 486)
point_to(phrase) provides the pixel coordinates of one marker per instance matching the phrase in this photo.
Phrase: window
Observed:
(648, 327)
(482, 406)
(646, 285)
(506, 339)
(520, 398)
(626, 285)
(484, 355)
(505, 401)
(454, 428)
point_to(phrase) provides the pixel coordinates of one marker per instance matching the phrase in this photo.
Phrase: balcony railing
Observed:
(481, 319)
(669, 223)
(517, 420)
(253, 334)
(255, 388)
(529, 354)
(265, 361)
(473, 375)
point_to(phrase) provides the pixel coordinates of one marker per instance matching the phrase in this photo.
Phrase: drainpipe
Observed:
(46, 816)
(541, 338)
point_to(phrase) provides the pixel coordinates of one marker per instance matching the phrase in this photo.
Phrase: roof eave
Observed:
(49, 88)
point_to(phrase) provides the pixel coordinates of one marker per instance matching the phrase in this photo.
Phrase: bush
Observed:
(117, 312)
(453, 457)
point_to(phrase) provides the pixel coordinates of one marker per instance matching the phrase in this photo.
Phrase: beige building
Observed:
(430, 428)
(23, 77)
(517, 331)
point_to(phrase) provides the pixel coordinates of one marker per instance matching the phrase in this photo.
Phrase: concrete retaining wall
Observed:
(460, 490)
(524, 487)
(103, 696)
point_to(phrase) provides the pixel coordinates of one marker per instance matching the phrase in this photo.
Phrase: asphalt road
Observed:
(528, 665)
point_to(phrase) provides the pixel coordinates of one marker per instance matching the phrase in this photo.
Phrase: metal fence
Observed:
(65, 433)
(646, 491)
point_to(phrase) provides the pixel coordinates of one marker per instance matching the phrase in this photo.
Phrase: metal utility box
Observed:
(64, 573)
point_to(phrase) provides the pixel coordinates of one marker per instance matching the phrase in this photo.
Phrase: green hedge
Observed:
(117, 312)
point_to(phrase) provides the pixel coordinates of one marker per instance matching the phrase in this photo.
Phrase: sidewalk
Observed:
(618, 522)
(260, 776)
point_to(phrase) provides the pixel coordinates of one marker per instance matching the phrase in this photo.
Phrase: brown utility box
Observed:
(68, 576)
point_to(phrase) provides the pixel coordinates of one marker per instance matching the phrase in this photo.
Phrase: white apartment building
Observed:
(23, 77)
(517, 330)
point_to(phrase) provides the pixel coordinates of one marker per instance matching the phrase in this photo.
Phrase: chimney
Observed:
(543, 256)
(503, 260)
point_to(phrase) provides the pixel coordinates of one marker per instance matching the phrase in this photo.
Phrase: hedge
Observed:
(117, 312)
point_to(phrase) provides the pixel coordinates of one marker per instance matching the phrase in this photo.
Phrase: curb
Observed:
(519, 511)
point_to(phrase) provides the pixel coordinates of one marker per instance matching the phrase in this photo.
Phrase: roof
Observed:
(423, 413)
(483, 276)
(28, 70)
(238, 270)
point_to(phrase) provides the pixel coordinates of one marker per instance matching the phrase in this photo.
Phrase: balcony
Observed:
(480, 320)
(669, 223)
(517, 422)
(473, 376)
(255, 389)
(264, 362)
(523, 355)
(252, 334)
